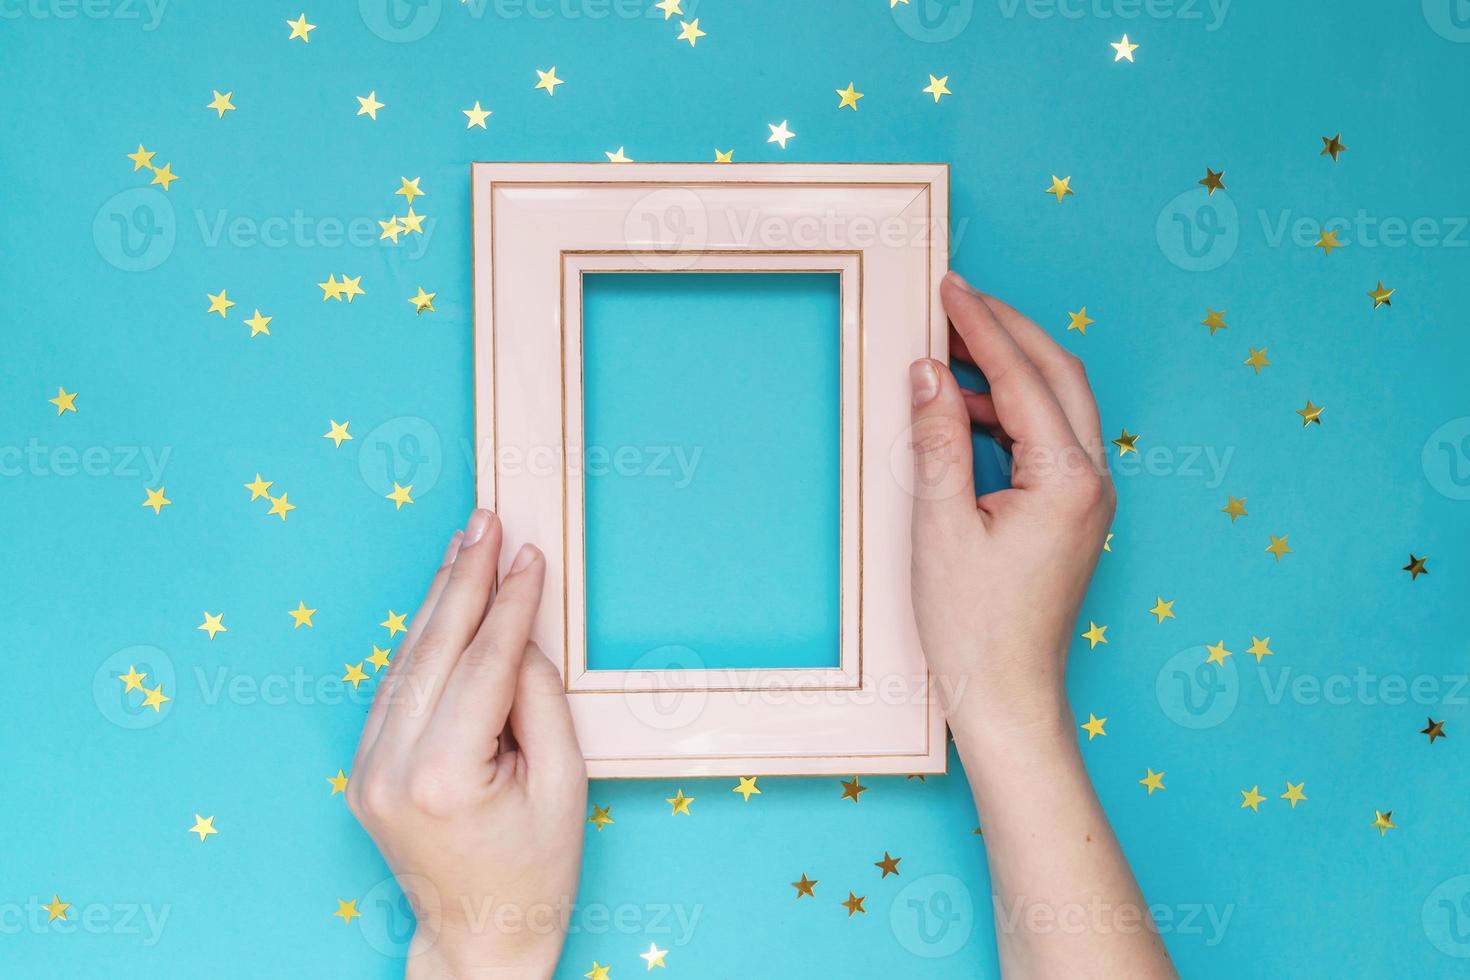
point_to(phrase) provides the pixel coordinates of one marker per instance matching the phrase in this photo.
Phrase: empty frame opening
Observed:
(712, 469)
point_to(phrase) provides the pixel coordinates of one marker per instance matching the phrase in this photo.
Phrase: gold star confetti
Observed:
(1093, 726)
(259, 324)
(154, 698)
(379, 659)
(1163, 610)
(156, 500)
(412, 222)
(1260, 648)
(213, 624)
(938, 87)
(680, 803)
(1252, 798)
(854, 904)
(221, 103)
(300, 28)
(56, 909)
(724, 156)
(65, 401)
(1278, 546)
(1108, 542)
(219, 304)
(598, 972)
(547, 80)
(409, 190)
(351, 288)
(849, 97)
(355, 674)
(889, 864)
(1415, 567)
(338, 782)
(1311, 415)
(852, 790)
(258, 487)
(1327, 241)
(369, 105)
(689, 31)
(476, 116)
(654, 957)
(1124, 50)
(338, 433)
(1214, 320)
(1218, 653)
(423, 302)
(617, 156)
(1435, 729)
(1381, 296)
(1294, 793)
(280, 506)
(806, 886)
(142, 158)
(780, 134)
(1384, 822)
(301, 615)
(132, 680)
(1095, 634)
(670, 8)
(1258, 359)
(1332, 147)
(163, 175)
(1234, 507)
(391, 229)
(331, 289)
(1151, 780)
(400, 495)
(394, 624)
(1214, 180)
(203, 826)
(1080, 321)
(601, 816)
(746, 788)
(1125, 443)
(346, 911)
(1060, 186)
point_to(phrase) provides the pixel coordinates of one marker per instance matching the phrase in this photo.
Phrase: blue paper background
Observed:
(96, 811)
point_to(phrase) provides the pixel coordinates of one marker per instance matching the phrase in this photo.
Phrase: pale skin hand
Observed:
(997, 583)
(468, 775)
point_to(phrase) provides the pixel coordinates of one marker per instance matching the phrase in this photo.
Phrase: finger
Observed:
(383, 693)
(1063, 372)
(449, 629)
(982, 413)
(1024, 404)
(541, 721)
(472, 713)
(944, 480)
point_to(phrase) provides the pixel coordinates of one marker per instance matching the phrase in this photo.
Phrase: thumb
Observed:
(944, 481)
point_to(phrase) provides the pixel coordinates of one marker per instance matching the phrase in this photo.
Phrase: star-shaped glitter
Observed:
(156, 499)
(1124, 50)
(1332, 147)
(1108, 542)
(854, 904)
(221, 103)
(1218, 653)
(1215, 320)
(141, 158)
(1093, 726)
(1327, 241)
(1311, 415)
(1381, 296)
(56, 909)
(380, 658)
(331, 289)
(423, 302)
(889, 864)
(154, 698)
(300, 614)
(1383, 821)
(352, 288)
(1080, 321)
(412, 222)
(1415, 567)
(1258, 359)
(213, 624)
(937, 87)
(746, 788)
(203, 826)
(410, 189)
(338, 782)
(598, 972)
(780, 134)
(1252, 798)
(689, 31)
(849, 97)
(654, 957)
(1294, 793)
(258, 487)
(853, 790)
(1126, 443)
(259, 324)
(617, 156)
(338, 433)
(1095, 634)
(806, 886)
(164, 176)
(132, 680)
(1278, 546)
(1434, 729)
(355, 674)
(1213, 180)
(65, 401)
(368, 105)
(724, 156)
(1260, 648)
(1060, 186)
(1163, 610)
(394, 624)
(476, 116)
(547, 80)
(400, 495)
(1235, 507)
(300, 28)
(219, 303)
(391, 229)
(346, 911)
(1151, 780)
(670, 8)
(601, 816)
(680, 803)
(280, 506)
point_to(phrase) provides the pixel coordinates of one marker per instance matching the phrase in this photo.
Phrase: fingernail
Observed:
(925, 382)
(453, 549)
(961, 282)
(524, 557)
(478, 524)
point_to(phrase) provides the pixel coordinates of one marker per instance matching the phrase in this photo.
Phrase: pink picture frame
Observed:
(883, 229)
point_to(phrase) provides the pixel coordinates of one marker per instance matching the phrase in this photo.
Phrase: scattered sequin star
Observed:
(339, 433)
(369, 105)
(1327, 241)
(849, 97)
(1332, 147)
(806, 886)
(1095, 634)
(1125, 443)
(220, 304)
(351, 287)
(780, 134)
(65, 401)
(423, 302)
(301, 615)
(338, 782)
(1258, 359)
(258, 487)
(346, 911)
(132, 680)
(221, 103)
(852, 790)
(56, 909)
(1213, 180)
(1381, 296)
(689, 31)
(331, 289)
(1060, 186)
(1434, 730)
(1080, 321)
(1252, 798)
(142, 158)
(1093, 726)
(156, 500)
(1108, 542)
(1215, 320)
(889, 864)
(1218, 653)
(259, 324)
(1311, 415)
(746, 788)
(1260, 648)
(412, 222)
(1415, 567)
(410, 189)
(400, 495)
(1124, 50)
(203, 826)
(1151, 780)
(617, 156)
(654, 957)
(670, 8)
(548, 80)
(300, 28)
(598, 972)
(280, 506)
(391, 229)
(394, 624)
(380, 658)
(476, 116)
(1384, 822)
(680, 803)
(355, 674)
(1234, 507)
(854, 904)
(213, 624)
(724, 156)
(1294, 793)
(154, 698)
(601, 816)
(1163, 610)
(1278, 546)
(938, 87)
(163, 175)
